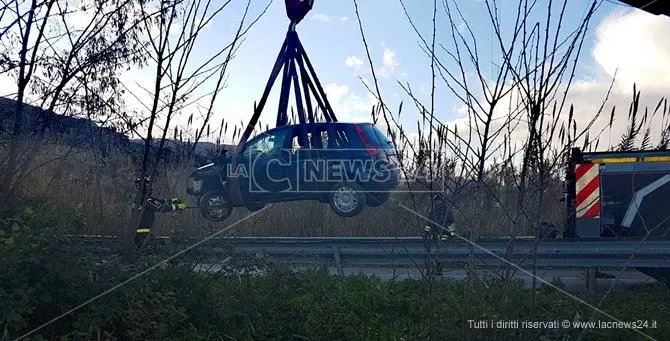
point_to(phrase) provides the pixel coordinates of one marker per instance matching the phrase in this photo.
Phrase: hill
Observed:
(82, 132)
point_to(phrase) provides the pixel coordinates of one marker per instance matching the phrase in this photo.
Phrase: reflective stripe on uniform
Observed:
(143, 230)
(155, 203)
(427, 228)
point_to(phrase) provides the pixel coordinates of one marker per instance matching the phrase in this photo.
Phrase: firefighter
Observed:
(440, 227)
(441, 224)
(149, 207)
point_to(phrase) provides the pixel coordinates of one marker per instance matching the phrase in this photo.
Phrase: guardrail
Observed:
(411, 251)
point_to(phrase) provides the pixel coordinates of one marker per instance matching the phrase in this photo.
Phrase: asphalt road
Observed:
(573, 280)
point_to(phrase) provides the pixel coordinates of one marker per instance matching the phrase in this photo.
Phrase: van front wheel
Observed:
(215, 206)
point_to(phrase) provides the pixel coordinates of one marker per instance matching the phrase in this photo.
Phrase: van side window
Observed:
(322, 133)
(340, 139)
(295, 141)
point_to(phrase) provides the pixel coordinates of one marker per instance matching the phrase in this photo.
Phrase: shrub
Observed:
(46, 275)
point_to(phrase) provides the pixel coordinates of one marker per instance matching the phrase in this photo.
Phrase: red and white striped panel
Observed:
(588, 190)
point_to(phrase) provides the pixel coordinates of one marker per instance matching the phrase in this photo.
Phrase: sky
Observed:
(621, 39)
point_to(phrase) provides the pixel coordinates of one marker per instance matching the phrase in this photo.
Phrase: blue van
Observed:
(346, 165)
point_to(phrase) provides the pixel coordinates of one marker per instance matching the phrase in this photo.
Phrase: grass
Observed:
(45, 274)
(104, 188)
(177, 304)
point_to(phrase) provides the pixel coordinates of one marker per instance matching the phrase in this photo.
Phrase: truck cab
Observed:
(611, 194)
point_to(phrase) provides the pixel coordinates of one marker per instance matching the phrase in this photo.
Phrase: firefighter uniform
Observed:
(440, 227)
(149, 209)
(441, 224)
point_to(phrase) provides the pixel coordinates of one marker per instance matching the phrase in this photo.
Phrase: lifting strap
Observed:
(292, 57)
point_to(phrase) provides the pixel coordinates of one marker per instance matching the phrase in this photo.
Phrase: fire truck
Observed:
(619, 194)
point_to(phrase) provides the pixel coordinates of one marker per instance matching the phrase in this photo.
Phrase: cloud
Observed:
(634, 47)
(389, 58)
(353, 62)
(389, 63)
(336, 92)
(462, 27)
(326, 18)
(321, 17)
(637, 45)
(347, 105)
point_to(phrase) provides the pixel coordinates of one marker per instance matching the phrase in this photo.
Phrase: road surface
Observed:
(573, 280)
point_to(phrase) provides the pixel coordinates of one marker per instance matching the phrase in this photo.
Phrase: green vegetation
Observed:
(44, 275)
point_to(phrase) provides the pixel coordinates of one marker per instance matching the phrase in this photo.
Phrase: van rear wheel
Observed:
(347, 199)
